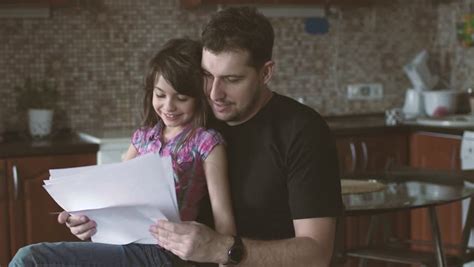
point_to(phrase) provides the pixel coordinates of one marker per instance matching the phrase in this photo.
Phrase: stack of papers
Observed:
(124, 199)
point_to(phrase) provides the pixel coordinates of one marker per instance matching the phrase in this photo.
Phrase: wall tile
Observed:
(98, 50)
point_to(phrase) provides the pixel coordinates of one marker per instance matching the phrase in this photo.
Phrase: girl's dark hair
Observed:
(240, 28)
(179, 62)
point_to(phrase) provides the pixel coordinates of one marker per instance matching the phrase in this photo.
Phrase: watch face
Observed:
(236, 254)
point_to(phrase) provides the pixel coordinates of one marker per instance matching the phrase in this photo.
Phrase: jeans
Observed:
(94, 254)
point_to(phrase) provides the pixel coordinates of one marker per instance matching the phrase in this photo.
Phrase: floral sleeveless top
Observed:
(188, 151)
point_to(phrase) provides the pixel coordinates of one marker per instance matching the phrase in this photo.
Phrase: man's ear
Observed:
(267, 71)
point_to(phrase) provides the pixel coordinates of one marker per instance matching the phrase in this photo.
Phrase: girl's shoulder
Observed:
(145, 133)
(202, 134)
(206, 139)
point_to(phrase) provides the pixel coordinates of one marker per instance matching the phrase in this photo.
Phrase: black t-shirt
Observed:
(282, 166)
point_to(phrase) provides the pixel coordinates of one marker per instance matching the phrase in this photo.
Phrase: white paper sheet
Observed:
(124, 225)
(123, 198)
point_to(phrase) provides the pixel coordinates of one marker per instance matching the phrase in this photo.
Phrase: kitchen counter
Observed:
(64, 142)
(375, 123)
(108, 135)
(67, 142)
(113, 143)
(357, 124)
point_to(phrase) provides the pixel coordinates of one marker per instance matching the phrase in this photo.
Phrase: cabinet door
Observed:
(381, 151)
(347, 155)
(4, 233)
(30, 205)
(437, 152)
(371, 152)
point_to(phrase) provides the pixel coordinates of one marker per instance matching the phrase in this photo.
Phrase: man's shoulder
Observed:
(288, 110)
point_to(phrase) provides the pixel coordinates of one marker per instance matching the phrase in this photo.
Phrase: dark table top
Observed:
(409, 189)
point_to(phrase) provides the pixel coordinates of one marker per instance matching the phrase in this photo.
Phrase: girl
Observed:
(175, 112)
(175, 115)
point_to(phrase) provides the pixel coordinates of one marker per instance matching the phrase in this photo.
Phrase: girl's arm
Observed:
(215, 168)
(130, 154)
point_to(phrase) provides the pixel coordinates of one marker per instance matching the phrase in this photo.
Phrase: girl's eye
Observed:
(182, 98)
(160, 95)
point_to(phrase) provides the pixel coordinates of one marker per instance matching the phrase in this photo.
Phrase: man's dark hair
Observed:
(240, 28)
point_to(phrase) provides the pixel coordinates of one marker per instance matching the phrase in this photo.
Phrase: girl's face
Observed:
(176, 110)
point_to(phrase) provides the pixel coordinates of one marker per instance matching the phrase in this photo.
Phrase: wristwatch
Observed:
(235, 254)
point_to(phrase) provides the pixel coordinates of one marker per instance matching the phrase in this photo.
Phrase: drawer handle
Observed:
(366, 156)
(15, 182)
(354, 156)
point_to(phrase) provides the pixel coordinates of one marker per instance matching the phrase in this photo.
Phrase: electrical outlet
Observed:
(364, 91)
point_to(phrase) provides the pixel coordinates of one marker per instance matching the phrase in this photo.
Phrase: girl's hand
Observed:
(80, 226)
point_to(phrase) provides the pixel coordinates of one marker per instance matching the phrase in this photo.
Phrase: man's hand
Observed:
(79, 226)
(192, 241)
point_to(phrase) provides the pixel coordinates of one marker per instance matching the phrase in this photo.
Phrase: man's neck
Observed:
(264, 98)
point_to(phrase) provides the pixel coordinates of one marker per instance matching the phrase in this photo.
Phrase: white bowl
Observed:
(440, 103)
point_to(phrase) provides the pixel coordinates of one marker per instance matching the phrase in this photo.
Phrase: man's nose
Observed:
(216, 90)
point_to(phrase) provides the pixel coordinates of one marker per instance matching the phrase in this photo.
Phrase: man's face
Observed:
(233, 87)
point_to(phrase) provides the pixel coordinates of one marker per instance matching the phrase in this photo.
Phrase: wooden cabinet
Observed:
(371, 152)
(28, 205)
(437, 152)
(4, 233)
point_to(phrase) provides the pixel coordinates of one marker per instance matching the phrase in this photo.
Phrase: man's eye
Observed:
(232, 79)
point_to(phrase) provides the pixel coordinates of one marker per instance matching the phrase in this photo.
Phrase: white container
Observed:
(413, 106)
(40, 121)
(440, 103)
(419, 74)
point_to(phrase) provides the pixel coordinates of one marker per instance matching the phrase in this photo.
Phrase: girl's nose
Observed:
(170, 105)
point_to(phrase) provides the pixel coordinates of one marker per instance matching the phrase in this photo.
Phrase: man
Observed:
(282, 158)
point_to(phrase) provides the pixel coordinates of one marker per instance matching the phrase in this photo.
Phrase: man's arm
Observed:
(311, 246)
